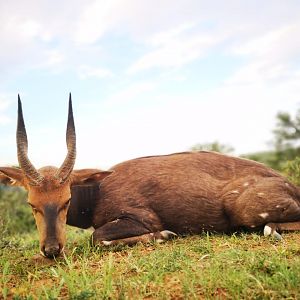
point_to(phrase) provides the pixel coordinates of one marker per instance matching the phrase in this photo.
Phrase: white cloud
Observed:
(30, 30)
(54, 57)
(242, 116)
(279, 42)
(147, 116)
(165, 37)
(130, 96)
(134, 18)
(96, 19)
(268, 37)
(175, 48)
(86, 72)
(270, 56)
(5, 102)
(32, 36)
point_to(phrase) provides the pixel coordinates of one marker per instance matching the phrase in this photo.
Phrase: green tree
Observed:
(269, 158)
(287, 130)
(215, 146)
(285, 142)
(287, 137)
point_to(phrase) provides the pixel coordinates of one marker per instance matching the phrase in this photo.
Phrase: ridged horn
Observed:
(34, 177)
(66, 168)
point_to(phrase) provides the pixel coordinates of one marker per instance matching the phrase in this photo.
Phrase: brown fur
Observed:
(151, 198)
(192, 192)
(156, 197)
(50, 200)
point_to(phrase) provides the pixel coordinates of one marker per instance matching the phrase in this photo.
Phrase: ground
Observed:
(209, 266)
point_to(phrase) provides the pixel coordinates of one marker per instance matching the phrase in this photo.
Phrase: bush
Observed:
(292, 170)
(15, 213)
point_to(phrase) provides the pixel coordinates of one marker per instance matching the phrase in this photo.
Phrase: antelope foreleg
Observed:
(159, 237)
(128, 232)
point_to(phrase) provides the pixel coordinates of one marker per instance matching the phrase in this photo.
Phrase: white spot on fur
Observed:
(115, 221)
(264, 215)
(106, 243)
(277, 206)
(246, 184)
(252, 226)
(267, 230)
(287, 184)
(260, 194)
(235, 192)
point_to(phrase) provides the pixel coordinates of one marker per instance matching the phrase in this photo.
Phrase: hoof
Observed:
(167, 234)
(268, 230)
(277, 236)
(106, 243)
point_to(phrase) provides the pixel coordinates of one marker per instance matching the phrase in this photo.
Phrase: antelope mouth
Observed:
(52, 251)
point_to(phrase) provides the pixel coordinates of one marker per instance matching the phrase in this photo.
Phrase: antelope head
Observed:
(49, 188)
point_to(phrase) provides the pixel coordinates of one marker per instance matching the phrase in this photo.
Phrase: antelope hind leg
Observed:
(274, 229)
(128, 232)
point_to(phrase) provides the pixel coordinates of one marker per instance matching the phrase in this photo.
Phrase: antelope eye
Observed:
(66, 204)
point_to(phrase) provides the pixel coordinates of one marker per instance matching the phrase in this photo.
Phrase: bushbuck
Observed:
(152, 198)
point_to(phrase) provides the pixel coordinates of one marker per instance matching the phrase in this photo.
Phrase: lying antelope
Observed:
(152, 198)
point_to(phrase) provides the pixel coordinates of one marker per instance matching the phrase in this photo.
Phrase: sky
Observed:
(146, 77)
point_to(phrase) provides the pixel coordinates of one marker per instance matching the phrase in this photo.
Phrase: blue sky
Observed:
(147, 77)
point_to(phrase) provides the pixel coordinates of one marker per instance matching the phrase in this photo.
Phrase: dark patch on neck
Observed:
(50, 213)
(81, 210)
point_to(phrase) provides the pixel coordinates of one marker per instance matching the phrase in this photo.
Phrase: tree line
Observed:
(285, 153)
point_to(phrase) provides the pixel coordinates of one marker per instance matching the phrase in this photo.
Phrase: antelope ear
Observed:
(11, 176)
(85, 176)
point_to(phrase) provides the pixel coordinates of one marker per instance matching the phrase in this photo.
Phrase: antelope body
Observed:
(153, 198)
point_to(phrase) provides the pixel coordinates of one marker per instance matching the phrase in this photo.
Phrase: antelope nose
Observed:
(52, 250)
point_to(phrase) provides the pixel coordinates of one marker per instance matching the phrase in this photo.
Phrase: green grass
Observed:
(208, 266)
